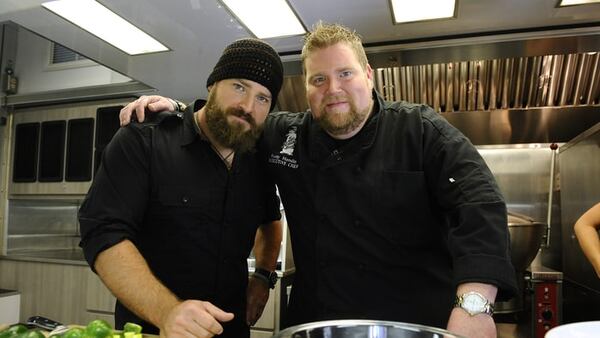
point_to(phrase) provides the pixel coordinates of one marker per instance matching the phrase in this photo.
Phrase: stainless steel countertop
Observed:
(61, 256)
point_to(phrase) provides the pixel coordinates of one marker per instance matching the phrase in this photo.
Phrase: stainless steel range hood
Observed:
(520, 82)
(545, 90)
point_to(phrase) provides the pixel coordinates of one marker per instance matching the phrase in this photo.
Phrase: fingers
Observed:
(194, 318)
(208, 318)
(217, 313)
(140, 107)
(136, 106)
(153, 103)
(125, 115)
(159, 103)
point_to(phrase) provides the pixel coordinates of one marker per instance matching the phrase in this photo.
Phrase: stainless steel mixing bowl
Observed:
(363, 329)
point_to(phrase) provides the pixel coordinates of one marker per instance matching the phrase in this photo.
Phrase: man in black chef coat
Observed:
(393, 214)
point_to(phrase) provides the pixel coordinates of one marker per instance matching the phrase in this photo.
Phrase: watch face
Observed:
(473, 303)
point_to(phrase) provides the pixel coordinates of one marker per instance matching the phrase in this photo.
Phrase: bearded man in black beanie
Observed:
(177, 203)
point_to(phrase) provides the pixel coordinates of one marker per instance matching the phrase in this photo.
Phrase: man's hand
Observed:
(478, 326)
(194, 318)
(153, 103)
(257, 296)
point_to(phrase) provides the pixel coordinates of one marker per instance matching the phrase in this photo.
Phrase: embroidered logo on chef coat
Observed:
(290, 142)
(287, 150)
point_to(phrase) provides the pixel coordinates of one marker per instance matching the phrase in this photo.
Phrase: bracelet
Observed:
(178, 105)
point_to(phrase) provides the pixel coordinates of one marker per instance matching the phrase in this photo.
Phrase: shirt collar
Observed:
(189, 132)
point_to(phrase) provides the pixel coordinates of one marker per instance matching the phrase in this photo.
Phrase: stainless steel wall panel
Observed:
(42, 224)
(533, 125)
(580, 189)
(522, 172)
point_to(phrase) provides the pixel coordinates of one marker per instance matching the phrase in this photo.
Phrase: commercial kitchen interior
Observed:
(520, 78)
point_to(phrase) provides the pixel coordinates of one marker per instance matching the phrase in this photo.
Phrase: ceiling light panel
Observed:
(577, 2)
(270, 19)
(106, 25)
(411, 11)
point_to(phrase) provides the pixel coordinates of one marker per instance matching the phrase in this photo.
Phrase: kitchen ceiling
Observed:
(196, 31)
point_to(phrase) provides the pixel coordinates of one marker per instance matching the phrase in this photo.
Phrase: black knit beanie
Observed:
(250, 59)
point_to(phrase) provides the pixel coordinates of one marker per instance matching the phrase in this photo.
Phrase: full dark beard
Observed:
(231, 135)
(344, 123)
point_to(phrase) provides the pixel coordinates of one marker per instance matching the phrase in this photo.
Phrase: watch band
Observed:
(269, 277)
(474, 303)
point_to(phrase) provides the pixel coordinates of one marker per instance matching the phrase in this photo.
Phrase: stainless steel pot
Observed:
(363, 329)
(525, 239)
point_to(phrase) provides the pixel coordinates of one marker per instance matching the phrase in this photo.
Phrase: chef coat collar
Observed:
(319, 140)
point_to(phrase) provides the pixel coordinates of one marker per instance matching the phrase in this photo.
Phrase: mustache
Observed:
(237, 112)
(335, 99)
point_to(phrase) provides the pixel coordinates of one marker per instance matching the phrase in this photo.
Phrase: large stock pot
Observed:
(363, 329)
(525, 239)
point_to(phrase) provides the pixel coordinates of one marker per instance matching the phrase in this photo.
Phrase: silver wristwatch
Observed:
(474, 303)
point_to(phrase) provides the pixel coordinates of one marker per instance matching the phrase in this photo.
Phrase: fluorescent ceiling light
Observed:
(105, 24)
(577, 2)
(410, 11)
(272, 18)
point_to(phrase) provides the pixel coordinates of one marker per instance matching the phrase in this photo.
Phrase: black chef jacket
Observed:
(387, 224)
(163, 187)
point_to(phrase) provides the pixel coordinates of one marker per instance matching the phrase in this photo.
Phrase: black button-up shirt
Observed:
(163, 187)
(387, 224)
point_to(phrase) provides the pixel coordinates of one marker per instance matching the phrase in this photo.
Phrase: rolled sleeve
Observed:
(114, 208)
(464, 187)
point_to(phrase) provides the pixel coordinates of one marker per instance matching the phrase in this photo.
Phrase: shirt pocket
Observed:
(403, 207)
(183, 201)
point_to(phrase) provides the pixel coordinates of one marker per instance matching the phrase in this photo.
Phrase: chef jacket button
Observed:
(185, 199)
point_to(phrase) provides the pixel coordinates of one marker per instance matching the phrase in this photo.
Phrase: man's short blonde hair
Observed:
(324, 35)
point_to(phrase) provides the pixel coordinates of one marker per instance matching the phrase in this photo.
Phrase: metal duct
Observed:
(507, 83)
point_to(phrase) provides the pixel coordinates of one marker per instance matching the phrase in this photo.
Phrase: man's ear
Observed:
(369, 72)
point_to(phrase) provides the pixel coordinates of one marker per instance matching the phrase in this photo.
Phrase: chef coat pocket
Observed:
(403, 207)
